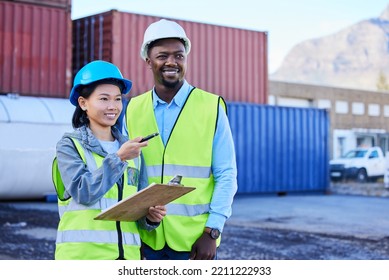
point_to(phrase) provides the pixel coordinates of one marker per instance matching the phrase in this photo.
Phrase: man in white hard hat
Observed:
(194, 141)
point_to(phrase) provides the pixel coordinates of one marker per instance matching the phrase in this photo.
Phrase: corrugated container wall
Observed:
(35, 50)
(63, 4)
(280, 149)
(227, 61)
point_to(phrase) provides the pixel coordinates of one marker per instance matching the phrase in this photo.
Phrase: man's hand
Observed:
(204, 248)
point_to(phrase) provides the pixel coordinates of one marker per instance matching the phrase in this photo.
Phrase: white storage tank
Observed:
(30, 127)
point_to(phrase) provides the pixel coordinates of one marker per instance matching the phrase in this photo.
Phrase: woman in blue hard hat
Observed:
(98, 167)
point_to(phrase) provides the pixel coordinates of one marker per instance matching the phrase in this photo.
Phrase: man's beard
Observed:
(170, 84)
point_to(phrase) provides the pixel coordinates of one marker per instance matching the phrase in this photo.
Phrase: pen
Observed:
(148, 137)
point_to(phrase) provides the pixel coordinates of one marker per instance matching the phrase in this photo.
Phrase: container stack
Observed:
(278, 149)
(227, 61)
(35, 48)
(35, 80)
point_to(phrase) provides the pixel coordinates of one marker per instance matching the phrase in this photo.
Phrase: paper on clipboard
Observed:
(136, 206)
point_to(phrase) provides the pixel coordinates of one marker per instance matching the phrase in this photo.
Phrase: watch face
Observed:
(215, 233)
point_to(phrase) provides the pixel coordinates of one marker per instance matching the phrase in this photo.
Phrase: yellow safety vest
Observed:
(188, 152)
(79, 235)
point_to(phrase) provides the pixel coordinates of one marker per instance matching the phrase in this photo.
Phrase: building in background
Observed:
(358, 117)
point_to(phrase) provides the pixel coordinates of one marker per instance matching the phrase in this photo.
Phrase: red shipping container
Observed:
(35, 50)
(63, 4)
(227, 61)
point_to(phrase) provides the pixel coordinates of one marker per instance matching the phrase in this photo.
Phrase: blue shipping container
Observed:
(280, 149)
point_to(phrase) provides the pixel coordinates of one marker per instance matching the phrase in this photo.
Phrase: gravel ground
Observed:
(20, 229)
(269, 244)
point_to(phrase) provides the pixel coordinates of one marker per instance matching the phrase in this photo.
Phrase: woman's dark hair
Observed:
(80, 117)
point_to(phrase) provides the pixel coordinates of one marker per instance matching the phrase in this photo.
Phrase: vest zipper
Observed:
(118, 226)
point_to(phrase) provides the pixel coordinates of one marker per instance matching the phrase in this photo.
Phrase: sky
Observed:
(287, 22)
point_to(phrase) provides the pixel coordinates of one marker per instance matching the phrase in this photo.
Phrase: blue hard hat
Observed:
(95, 71)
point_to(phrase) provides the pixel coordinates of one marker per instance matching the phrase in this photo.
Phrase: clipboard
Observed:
(136, 206)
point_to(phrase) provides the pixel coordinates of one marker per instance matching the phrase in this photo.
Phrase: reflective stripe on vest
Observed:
(81, 237)
(187, 210)
(74, 206)
(188, 152)
(171, 170)
(95, 236)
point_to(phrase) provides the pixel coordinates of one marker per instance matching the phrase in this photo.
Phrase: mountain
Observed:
(356, 57)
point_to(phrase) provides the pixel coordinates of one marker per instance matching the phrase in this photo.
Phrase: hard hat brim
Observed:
(74, 94)
(145, 46)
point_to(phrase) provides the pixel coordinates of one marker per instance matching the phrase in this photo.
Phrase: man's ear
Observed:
(148, 61)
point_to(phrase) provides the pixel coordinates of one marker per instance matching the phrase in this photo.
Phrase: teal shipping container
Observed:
(280, 149)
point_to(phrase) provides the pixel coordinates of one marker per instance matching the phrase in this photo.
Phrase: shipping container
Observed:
(280, 149)
(227, 61)
(62, 4)
(35, 50)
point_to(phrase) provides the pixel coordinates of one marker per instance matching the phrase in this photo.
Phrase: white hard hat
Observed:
(160, 30)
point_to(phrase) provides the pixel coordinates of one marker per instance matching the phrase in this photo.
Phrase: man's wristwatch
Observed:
(213, 232)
